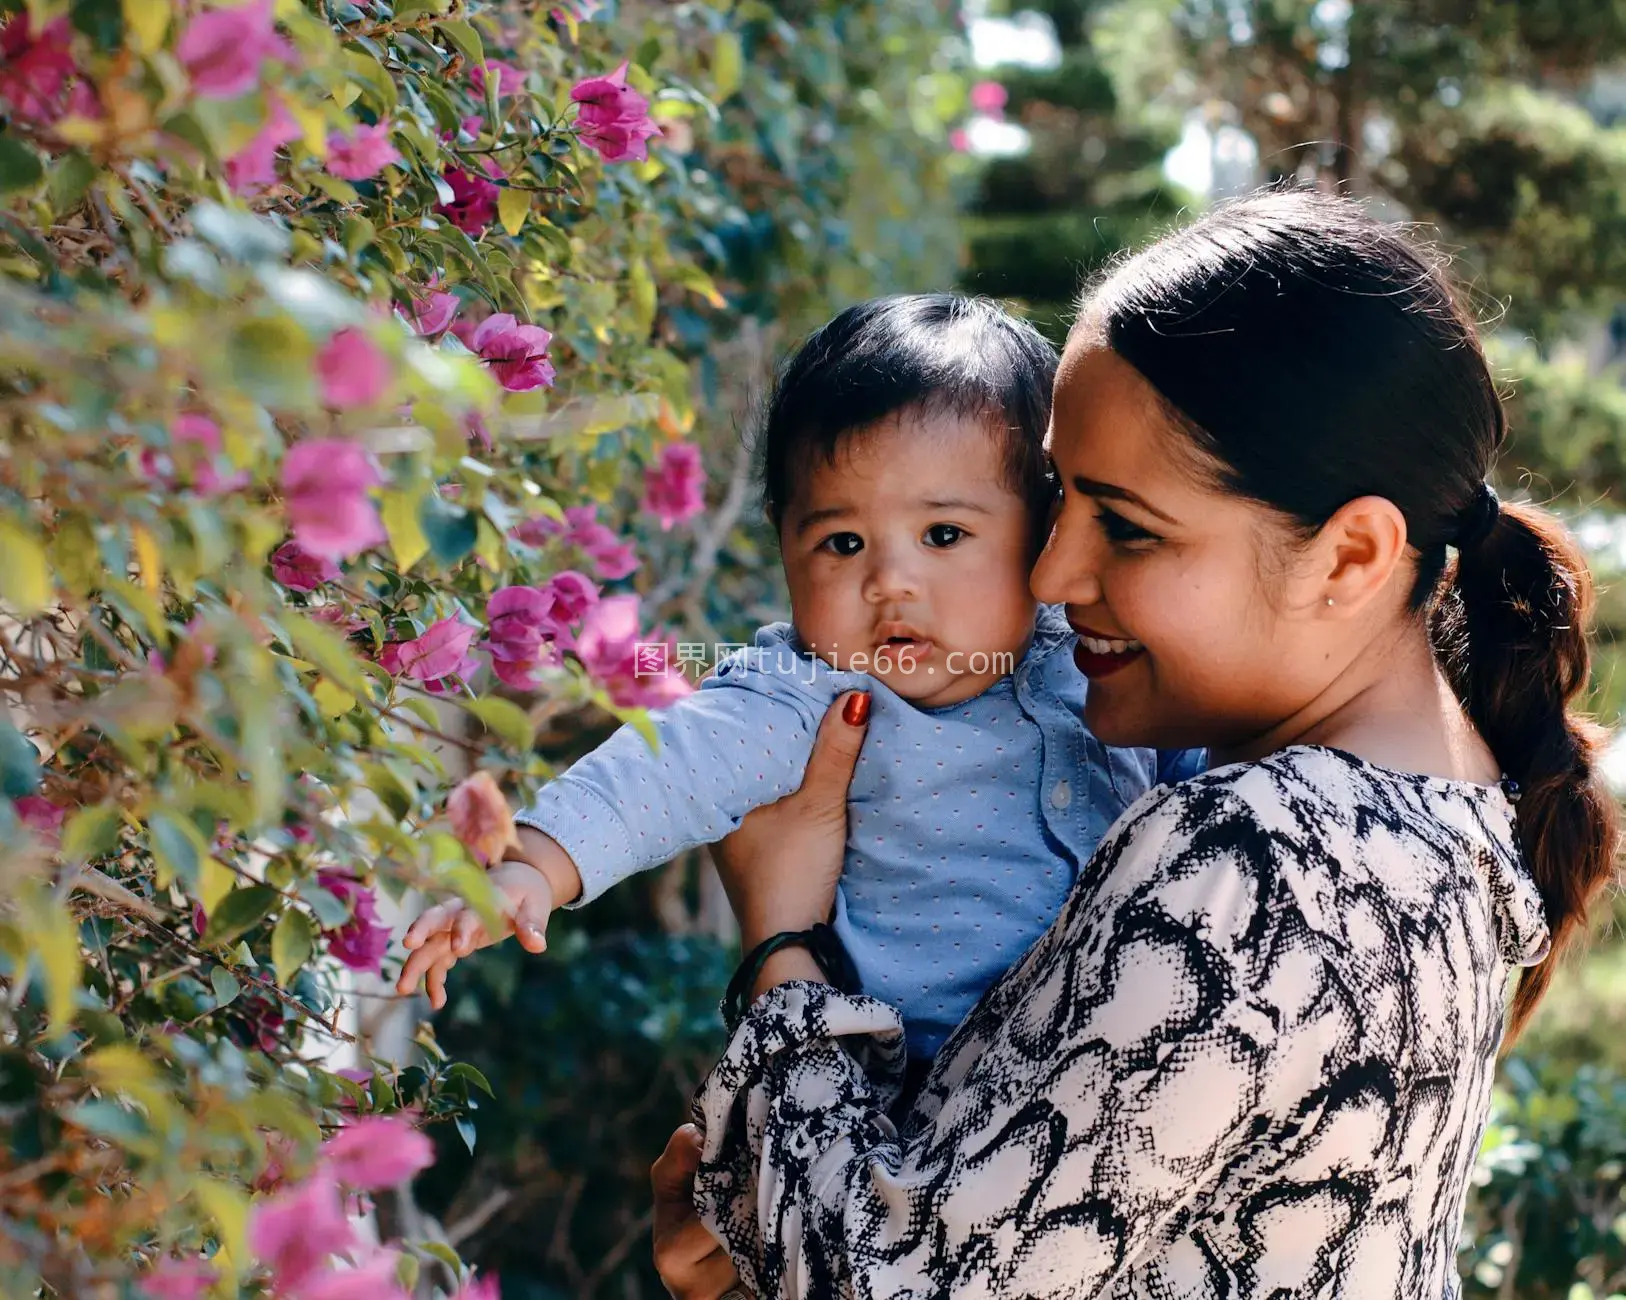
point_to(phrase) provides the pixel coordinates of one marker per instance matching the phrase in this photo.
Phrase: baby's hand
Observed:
(450, 931)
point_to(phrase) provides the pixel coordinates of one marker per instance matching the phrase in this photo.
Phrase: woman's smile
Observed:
(1099, 656)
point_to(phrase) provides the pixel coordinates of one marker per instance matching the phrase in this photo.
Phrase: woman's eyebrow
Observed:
(1091, 487)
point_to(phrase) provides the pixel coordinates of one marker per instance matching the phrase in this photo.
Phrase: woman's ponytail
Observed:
(1511, 633)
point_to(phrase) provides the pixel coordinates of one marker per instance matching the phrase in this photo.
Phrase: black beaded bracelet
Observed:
(821, 942)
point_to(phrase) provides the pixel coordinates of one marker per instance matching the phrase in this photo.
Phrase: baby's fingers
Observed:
(439, 917)
(468, 933)
(435, 949)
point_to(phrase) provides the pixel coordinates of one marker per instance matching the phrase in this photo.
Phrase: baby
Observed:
(904, 469)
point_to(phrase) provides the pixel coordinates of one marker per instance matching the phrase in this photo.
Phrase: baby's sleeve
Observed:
(742, 740)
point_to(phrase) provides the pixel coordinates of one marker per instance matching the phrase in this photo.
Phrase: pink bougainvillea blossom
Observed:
(295, 1233)
(253, 167)
(474, 424)
(373, 1277)
(612, 558)
(481, 818)
(337, 616)
(673, 487)
(517, 354)
(432, 314)
(509, 78)
(361, 942)
(573, 594)
(442, 650)
(42, 817)
(479, 1288)
(525, 628)
(638, 670)
(989, 98)
(195, 440)
(362, 153)
(352, 369)
(376, 1152)
(960, 140)
(223, 49)
(614, 118)
(474, 202)
(324, 487)
(179, 1279)
(300, 570)
(34, 68)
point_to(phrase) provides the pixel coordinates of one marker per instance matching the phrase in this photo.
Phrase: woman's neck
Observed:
(1391, 706)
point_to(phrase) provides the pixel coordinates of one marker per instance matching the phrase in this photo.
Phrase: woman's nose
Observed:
(1066, 572)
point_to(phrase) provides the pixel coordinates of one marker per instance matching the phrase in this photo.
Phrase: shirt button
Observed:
(1061, 794)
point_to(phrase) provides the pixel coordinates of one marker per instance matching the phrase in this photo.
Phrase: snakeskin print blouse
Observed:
(1252, 1057)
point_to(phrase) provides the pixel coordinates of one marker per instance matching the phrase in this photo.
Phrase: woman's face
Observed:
(1194, 628)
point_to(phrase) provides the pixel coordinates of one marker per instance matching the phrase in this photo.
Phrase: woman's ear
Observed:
(1357, 553)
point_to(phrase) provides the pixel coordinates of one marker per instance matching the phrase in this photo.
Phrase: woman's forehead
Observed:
(1102, 404)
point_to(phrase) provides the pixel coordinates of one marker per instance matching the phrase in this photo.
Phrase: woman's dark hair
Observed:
(1317, 355)
(932, 353)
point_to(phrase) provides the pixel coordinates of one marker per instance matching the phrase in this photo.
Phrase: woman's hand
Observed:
(692, 1265)
(781, 867)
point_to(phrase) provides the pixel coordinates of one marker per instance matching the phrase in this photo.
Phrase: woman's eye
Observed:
(944, 534)
(1121, 530)
(842, 543)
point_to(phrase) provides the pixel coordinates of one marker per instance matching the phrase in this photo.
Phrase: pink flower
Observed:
(481, 818)
(526, 625)
(177, 1279)
(222, 49)
(362, 153)
(479, 1288)
(573, 594)
(296, 1232)
(42, 817)
(611, 557)
(478, 431)
(616, 656)
(432, 315)
(989, 98)
(361, 942)
(614, 118)
(200, 432)
(960, 140)
(474, 202)
(324, 488)
(335, 616)
(373, 1278)
(517, 354)
(300, 570)
(353, 370)
(34, 69)
(509, 78)
(254, 166)
(376, 1152)
(442, 650)
(672, 489)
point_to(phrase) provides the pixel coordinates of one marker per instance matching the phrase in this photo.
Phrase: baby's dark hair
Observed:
(932, 353)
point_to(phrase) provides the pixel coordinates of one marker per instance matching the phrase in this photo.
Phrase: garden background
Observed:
(372, 378)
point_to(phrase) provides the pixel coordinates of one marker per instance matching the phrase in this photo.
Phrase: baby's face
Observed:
(908, 558)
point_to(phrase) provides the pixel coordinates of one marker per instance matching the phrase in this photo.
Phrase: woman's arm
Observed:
(1095, 1093)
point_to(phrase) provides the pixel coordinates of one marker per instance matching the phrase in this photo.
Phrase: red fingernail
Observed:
(855, 712)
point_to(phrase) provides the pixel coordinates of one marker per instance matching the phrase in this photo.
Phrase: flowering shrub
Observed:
(349, 359)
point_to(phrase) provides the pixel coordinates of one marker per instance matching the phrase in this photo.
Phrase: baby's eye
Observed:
(842, 543)
(944, 534)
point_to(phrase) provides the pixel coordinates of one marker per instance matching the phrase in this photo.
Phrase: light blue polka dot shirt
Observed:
(967, 823)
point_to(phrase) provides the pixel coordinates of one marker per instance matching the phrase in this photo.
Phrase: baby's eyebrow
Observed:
(813, 518)
(955, 503)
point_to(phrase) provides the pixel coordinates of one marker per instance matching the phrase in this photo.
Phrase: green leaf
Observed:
(147, 21)
(505, 719)
(465, 38)
(407, 540)
(727, 65)
(452, 531)
(331, 912)
(225, 986)
(20, 166)
(240, 235)
(407, 10)
(53, 938)
(366, 69)
(240, 910)
(463, 1070)
(25, 571)
(643, 296)
(465, 1130)
(328, 651)
(69, 179)
(109, 1120)
(90, 833)
(179, 849)
(292, 943)
(19, 763)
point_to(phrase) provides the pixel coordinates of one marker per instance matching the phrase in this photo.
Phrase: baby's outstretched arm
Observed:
(533, 880)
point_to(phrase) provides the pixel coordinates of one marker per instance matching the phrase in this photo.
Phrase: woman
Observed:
(1253, 1055)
